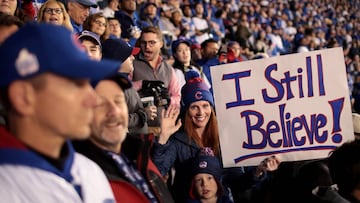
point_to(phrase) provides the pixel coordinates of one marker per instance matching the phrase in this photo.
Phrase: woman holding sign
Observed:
(200, 130)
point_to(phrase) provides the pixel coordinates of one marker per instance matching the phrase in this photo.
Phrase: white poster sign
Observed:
(294, 106)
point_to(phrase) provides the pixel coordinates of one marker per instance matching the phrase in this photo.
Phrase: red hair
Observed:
(210, 138)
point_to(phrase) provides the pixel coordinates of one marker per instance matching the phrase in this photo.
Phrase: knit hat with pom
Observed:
(195, 90)
(206, 162)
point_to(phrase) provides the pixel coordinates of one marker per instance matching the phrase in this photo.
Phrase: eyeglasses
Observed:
(98, 22)
(151, 43)
(53, 10)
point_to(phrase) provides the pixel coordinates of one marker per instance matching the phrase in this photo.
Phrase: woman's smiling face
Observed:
(200, 112)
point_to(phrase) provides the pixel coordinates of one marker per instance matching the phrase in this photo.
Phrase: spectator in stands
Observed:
(176, 20)
(169, 30)
(113, 29)
(92, 45)
(195, 52)
(105, 147)
(199, 130)
(53, 12)
(243, 31)
(111, 8)
(202, 27)
(206, 179)
(25, 11)
(8, 6)
(151, 67)
(182, 55)
(8, 25)
(231, 24)
(78, 11)
(131, 24)
(96, 23)
(276, 44)
(234, 51)
(47, 105)
(187, 22)
(311, 174)
(344, 165)
(209, 56)
(150, 14)
(261, 43)
(119, 50)
(217, 24)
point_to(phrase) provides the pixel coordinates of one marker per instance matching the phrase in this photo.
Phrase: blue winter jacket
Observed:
(179, 152)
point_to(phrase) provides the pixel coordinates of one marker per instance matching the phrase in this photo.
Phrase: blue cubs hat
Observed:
(207, 162)
(194, 90)
(88, 35)
(38, 48)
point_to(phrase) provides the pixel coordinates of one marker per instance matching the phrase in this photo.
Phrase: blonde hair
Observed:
(66, 23)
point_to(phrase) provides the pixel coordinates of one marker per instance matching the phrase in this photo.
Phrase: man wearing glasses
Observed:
(78, 11)
(149, 66)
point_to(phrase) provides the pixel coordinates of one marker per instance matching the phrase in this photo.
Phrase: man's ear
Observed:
(22, 97)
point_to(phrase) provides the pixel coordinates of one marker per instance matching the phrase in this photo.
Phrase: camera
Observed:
(157, 90)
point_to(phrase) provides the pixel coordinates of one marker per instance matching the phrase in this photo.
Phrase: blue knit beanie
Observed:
(194, 90)
(206, 162)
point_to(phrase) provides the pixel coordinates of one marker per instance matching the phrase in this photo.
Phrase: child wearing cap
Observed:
(92, 45)
(206, 179)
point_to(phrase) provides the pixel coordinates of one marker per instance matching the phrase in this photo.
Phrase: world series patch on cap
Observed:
(39, 48)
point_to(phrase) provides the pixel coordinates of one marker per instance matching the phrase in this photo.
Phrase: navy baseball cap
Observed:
(90, 36)
(118, 49)
(86, 3)
(177, 42)
(121, 79)
(38, 48)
